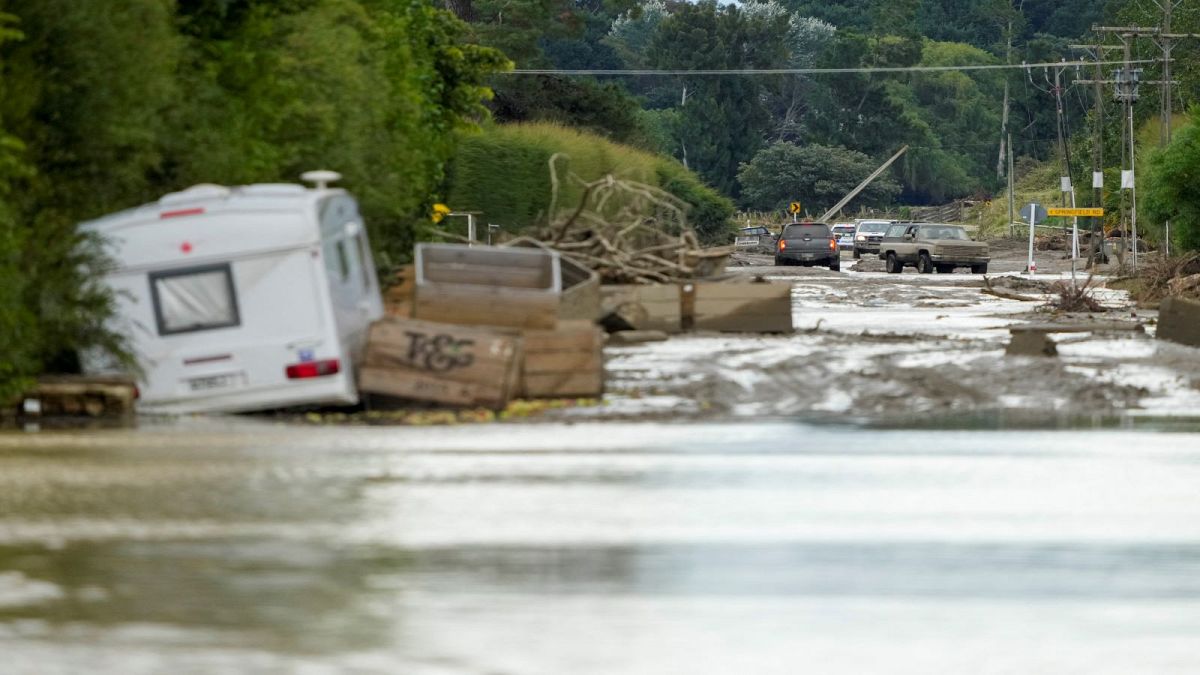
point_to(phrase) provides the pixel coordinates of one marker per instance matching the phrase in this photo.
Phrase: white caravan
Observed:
(243, 298)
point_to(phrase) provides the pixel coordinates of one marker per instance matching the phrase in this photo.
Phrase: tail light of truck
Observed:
(782, 244)
(303, 371)
(833, 244)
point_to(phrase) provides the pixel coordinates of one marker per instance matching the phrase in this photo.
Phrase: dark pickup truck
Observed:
(808, 244)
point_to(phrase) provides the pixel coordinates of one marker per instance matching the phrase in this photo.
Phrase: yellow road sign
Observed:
(794, 207)
(1075, 212)
(439, 211)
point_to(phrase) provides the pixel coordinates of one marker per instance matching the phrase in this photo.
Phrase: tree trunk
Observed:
(463, 9)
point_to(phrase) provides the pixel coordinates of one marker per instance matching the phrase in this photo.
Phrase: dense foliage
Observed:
(108, 105)
(1173, 184)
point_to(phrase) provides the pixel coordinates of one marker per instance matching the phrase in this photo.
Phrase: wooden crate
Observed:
(742, 307)
(488, 286)
(398, 298)
(580, 285)
(443, 363)
(565, 362)
(645, 307)
(485, 306)
(81, 396)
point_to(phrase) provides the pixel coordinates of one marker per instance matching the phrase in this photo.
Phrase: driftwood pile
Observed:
(628, 232)
(1175, 276)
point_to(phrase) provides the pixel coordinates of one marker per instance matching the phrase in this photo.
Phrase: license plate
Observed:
(210, 382)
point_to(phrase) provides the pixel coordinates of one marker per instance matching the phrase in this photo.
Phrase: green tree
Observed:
(85, 91)
(1170, 187)
(723, 119)
(816, 175)
(16, 324)
(377, 89)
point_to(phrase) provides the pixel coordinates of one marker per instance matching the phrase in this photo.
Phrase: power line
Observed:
(807, 71)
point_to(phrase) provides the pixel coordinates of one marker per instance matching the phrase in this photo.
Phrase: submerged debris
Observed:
(1175, 276)
(1073, 297)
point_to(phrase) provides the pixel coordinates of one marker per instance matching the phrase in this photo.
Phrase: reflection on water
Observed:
(773, 548)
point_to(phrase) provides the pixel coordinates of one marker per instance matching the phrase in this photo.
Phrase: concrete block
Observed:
(1179, 321)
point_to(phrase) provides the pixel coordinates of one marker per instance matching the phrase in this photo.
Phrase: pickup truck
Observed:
(808, 244)
(867, 235)
(930, 247)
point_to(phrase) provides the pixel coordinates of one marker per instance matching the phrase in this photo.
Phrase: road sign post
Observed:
(794, 208)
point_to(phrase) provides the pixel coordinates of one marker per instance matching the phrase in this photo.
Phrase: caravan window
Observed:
(364, 255)
(193, 299)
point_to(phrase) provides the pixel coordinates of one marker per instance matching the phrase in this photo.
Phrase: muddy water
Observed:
(768, 548)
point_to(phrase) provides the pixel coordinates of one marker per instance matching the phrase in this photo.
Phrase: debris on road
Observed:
(1179, 321)
(442, 363)
(1069, 296)
(60, 398)
(627, 232)
(487, 285)
(566, 362)
(510, 302)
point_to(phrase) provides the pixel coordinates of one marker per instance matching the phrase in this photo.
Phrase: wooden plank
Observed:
(490, 307)
(564, 384)
(568, 336)
(555, 362)
(422, 387)
(581, 301)
(489, 275)
(715, 290)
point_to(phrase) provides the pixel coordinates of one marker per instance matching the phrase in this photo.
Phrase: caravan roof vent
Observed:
(195, 193)
(322, 179)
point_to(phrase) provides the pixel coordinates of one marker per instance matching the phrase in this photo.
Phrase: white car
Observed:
(845, 234)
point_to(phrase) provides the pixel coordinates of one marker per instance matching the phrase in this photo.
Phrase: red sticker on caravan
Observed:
(181, 212)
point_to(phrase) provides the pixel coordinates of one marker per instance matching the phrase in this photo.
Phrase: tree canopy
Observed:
(818, 175)
(108, 105)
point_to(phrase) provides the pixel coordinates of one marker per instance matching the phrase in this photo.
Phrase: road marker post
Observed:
(1034, 213)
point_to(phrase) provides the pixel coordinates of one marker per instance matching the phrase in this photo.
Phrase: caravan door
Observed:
(353, 287)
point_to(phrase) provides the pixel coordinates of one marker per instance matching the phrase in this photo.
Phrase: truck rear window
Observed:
(193, 299)
(814, 230)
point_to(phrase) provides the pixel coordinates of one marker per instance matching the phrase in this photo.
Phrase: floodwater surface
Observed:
(240, 546)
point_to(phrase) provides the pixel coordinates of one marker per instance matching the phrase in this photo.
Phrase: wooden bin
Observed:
(563, 363)
(442, 363)
(741, 307)
(580, 285)
(487, 285)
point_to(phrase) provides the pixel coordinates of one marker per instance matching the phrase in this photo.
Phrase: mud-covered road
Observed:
(909, 346)
(884, 491)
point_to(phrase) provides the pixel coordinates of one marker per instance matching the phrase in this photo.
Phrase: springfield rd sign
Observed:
(1076, 212)
(794, 208)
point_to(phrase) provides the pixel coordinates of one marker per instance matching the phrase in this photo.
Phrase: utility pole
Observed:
(1098, 254)
(1011, 185)
(1128, 79)
(1063, 155)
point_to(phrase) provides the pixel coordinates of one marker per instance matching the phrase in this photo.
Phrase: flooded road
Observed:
(776, 547)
